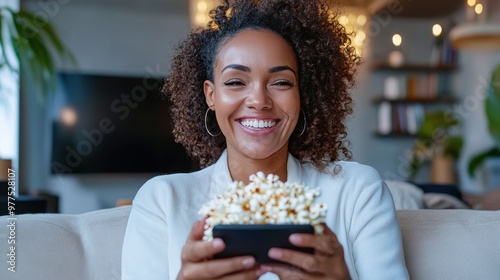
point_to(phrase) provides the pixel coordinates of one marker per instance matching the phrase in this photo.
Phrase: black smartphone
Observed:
(256, 240)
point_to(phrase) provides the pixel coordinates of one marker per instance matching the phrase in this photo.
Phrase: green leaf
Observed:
(476, 161)
(34, 44)
(3, 43)
(47, 32)
(495, 81)
(492, 106)
(434, 121)
(420, 153)
(454, 146)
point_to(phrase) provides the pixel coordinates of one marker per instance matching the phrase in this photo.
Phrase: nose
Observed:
(258, 98)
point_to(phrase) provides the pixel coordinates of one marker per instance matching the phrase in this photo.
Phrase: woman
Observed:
(275, 74)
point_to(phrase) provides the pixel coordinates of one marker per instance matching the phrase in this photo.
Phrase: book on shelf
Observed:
(399, 118)
(424, 86)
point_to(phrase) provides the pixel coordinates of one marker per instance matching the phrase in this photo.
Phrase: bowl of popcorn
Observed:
(265, 200)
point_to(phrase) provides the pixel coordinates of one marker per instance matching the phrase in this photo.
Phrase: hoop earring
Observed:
(206, 126)
(305, 123)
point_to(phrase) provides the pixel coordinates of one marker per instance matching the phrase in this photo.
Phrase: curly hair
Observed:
(326, 63)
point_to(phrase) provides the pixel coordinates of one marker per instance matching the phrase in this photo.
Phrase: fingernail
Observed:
(248, 262)
(217, 243)
(295, 238)
(274, 253)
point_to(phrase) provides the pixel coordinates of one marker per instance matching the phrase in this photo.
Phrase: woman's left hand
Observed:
(327, 262)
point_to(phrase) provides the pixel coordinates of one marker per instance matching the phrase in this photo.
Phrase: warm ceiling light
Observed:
(344, 20)
(481, 31)
(478, 9)
(354, 21)
(436, 30)
(361, 20)
(397, 40)
(202, 6)
(199, 9)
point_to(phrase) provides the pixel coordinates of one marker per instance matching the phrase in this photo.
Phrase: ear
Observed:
(208, 89)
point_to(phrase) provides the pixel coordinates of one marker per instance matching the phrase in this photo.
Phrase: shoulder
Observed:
(355, 172)
(345, 171)
(346, 181)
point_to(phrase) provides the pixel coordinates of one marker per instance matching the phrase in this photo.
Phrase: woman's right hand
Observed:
(197, 261)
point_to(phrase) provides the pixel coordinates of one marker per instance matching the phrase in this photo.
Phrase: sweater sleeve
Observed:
(145, 246)
(376, 236)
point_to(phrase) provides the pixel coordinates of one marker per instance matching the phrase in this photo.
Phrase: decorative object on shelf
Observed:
(392, 87)
(396, 57)
(492, 110)
(29, 45)
(481, 31)
(437, 144)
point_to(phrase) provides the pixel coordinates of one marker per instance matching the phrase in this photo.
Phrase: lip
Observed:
(259, 132)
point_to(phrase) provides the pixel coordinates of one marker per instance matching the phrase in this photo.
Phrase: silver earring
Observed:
(206, 126)
(304, 128)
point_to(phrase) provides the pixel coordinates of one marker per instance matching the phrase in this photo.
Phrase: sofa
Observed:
(438, 244)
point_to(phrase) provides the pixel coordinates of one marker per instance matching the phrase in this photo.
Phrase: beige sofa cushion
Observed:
(438, 244)
(451, 244)
(57, 246)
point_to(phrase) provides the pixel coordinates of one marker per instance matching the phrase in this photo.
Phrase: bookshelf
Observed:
(415, 67)
(409, 91)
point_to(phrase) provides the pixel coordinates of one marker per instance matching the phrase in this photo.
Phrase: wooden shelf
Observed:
(441, 100)
(415, 67)
(395, 134)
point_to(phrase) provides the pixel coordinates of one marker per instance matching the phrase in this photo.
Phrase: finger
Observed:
(302, 260)
(195, 251)
(221, 267)
(324, 243)
(285, 272)
(252, 274)
(197, 230)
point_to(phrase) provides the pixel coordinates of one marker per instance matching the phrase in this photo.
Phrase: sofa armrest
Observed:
(59, 246)
(451, 244)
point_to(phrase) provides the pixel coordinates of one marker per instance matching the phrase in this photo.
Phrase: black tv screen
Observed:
(113, 124)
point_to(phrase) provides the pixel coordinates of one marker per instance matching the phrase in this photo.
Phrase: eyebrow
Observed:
(247, 69)
(237, 67)
(281, 68)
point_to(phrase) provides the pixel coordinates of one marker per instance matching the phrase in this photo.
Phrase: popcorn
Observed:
(265, 200)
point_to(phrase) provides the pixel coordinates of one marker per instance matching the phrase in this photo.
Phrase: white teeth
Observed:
(258, 124)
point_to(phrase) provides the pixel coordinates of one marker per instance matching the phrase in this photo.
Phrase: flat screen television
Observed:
(113, 124)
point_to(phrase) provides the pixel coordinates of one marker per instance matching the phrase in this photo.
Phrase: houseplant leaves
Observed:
(35, 44)
(492, 110)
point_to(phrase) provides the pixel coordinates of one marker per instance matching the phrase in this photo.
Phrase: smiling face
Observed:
(255, 93)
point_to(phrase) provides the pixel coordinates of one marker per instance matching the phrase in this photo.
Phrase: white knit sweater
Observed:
(360, 212)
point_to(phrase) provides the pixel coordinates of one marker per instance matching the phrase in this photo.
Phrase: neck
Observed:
(241, 167)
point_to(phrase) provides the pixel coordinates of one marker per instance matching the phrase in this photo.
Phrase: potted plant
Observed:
(28, 47)
(34, 43)
(492, 110)
(436, 143)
